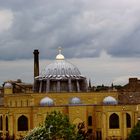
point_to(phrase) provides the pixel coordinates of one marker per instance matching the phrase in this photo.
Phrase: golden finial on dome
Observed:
(60, 56)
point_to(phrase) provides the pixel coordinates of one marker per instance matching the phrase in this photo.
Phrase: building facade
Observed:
(63, 88)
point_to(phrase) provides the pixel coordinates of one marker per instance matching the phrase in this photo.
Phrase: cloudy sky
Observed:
(101, 37)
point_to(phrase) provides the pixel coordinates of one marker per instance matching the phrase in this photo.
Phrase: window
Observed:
(114, 121)
(1, 123)
(128, 120)
(90, 121)
(98, 135)
(6, 123)
(22, 123)
(90, 131)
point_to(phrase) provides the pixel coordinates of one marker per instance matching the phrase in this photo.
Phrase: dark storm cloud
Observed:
(84, 28)
(128, 46)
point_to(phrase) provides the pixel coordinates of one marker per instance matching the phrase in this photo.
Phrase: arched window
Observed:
(114, 121)
(128, 120)
(1, 123)
(90, 121)
(22, 123)
(6, 123)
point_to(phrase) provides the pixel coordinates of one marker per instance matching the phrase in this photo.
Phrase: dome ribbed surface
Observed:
(61, 69)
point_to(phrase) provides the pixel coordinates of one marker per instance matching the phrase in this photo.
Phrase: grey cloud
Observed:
(128, 46)
(82, 28)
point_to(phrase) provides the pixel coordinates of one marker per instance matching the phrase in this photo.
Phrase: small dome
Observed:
(46, 102)
(110, 100)
(60, 56)
(75, 100)
(8, 85)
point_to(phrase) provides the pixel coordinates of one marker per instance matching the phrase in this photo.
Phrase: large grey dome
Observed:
(62, 68)
(61, 76)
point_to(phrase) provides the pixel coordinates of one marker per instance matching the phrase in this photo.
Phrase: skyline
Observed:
(104, 36)
(102, 70)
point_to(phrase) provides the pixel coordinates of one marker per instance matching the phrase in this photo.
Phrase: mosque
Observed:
(108, 115)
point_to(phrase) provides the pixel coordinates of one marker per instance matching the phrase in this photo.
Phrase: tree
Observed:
(135, 132)
(81, 133)
(57, 127)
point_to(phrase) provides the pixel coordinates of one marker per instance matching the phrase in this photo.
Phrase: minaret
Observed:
(36, 63)
(89, 85)
(36, 69)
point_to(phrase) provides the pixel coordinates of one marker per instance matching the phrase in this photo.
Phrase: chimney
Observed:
(36, 63)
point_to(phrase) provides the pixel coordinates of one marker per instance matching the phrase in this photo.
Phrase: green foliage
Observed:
(37, 133)
(60, 126)
(135, 133)
(81, 133)
(57, 127)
